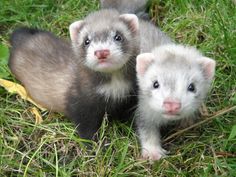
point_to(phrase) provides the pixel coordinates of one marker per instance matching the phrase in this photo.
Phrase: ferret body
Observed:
(83, 80)
(137, 7)
(44, 64)
(173, 82)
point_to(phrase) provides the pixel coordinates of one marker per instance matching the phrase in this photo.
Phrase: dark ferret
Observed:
(93, 75)
(137, 7)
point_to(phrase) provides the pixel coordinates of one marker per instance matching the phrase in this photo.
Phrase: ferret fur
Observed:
(137, 7)
(44, 64)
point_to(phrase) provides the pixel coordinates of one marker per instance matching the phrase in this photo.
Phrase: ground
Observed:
(53, 149)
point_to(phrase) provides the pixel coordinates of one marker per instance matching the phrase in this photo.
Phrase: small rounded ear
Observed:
(143, 61)
(74, 29)
(208, 65)
(132, 21)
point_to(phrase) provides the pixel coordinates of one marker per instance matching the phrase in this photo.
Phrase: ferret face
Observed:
(174, 80)
(106, 40)
(174, 92)
(107, 50)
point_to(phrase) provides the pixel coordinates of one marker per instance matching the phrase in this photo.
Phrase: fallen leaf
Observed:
(36, 113)
(19, 89)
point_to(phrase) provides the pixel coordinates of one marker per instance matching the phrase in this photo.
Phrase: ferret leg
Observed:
(149, 136)
(87, 117)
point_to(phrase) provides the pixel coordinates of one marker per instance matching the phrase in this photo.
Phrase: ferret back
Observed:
(44, 64)
(20, 35)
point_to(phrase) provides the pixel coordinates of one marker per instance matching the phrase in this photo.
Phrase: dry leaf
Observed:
(36, 113)
(17, 88)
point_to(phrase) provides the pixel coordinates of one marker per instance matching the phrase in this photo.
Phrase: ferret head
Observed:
(106, 40)
(174, 80)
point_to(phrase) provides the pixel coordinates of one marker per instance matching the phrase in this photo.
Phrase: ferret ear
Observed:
(143, 61)
(74, 30)
(208, 65)
(132, 21)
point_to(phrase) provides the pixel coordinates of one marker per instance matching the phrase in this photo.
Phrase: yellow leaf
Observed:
(36, 113)
(17, 88)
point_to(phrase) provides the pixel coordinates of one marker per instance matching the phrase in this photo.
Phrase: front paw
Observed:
(153, 153)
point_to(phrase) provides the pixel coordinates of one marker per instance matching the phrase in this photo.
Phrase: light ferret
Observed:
(180, 74)
(173, 82)
(94, 74)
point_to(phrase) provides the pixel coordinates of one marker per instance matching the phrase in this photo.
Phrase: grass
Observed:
(53, 149)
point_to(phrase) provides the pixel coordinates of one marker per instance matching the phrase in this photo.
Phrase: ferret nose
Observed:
(171, 106)
(102, 54)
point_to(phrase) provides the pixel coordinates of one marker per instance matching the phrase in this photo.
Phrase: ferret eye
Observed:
(156, 85)
(118, 37)
(191, 88)
(87, 41)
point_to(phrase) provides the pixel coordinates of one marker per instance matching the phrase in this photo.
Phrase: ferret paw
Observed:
(153, 154)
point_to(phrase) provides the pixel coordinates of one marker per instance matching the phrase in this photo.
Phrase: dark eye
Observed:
(191, 88)
(156, 85)
(118, 37)
(86, 42)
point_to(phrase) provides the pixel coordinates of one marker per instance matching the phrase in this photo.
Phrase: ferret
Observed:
(93, 74)
(173, 81)
(137, 7)
(118, 94)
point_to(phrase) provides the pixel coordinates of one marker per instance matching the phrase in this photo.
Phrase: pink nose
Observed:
(102, 54)
(171, 106)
